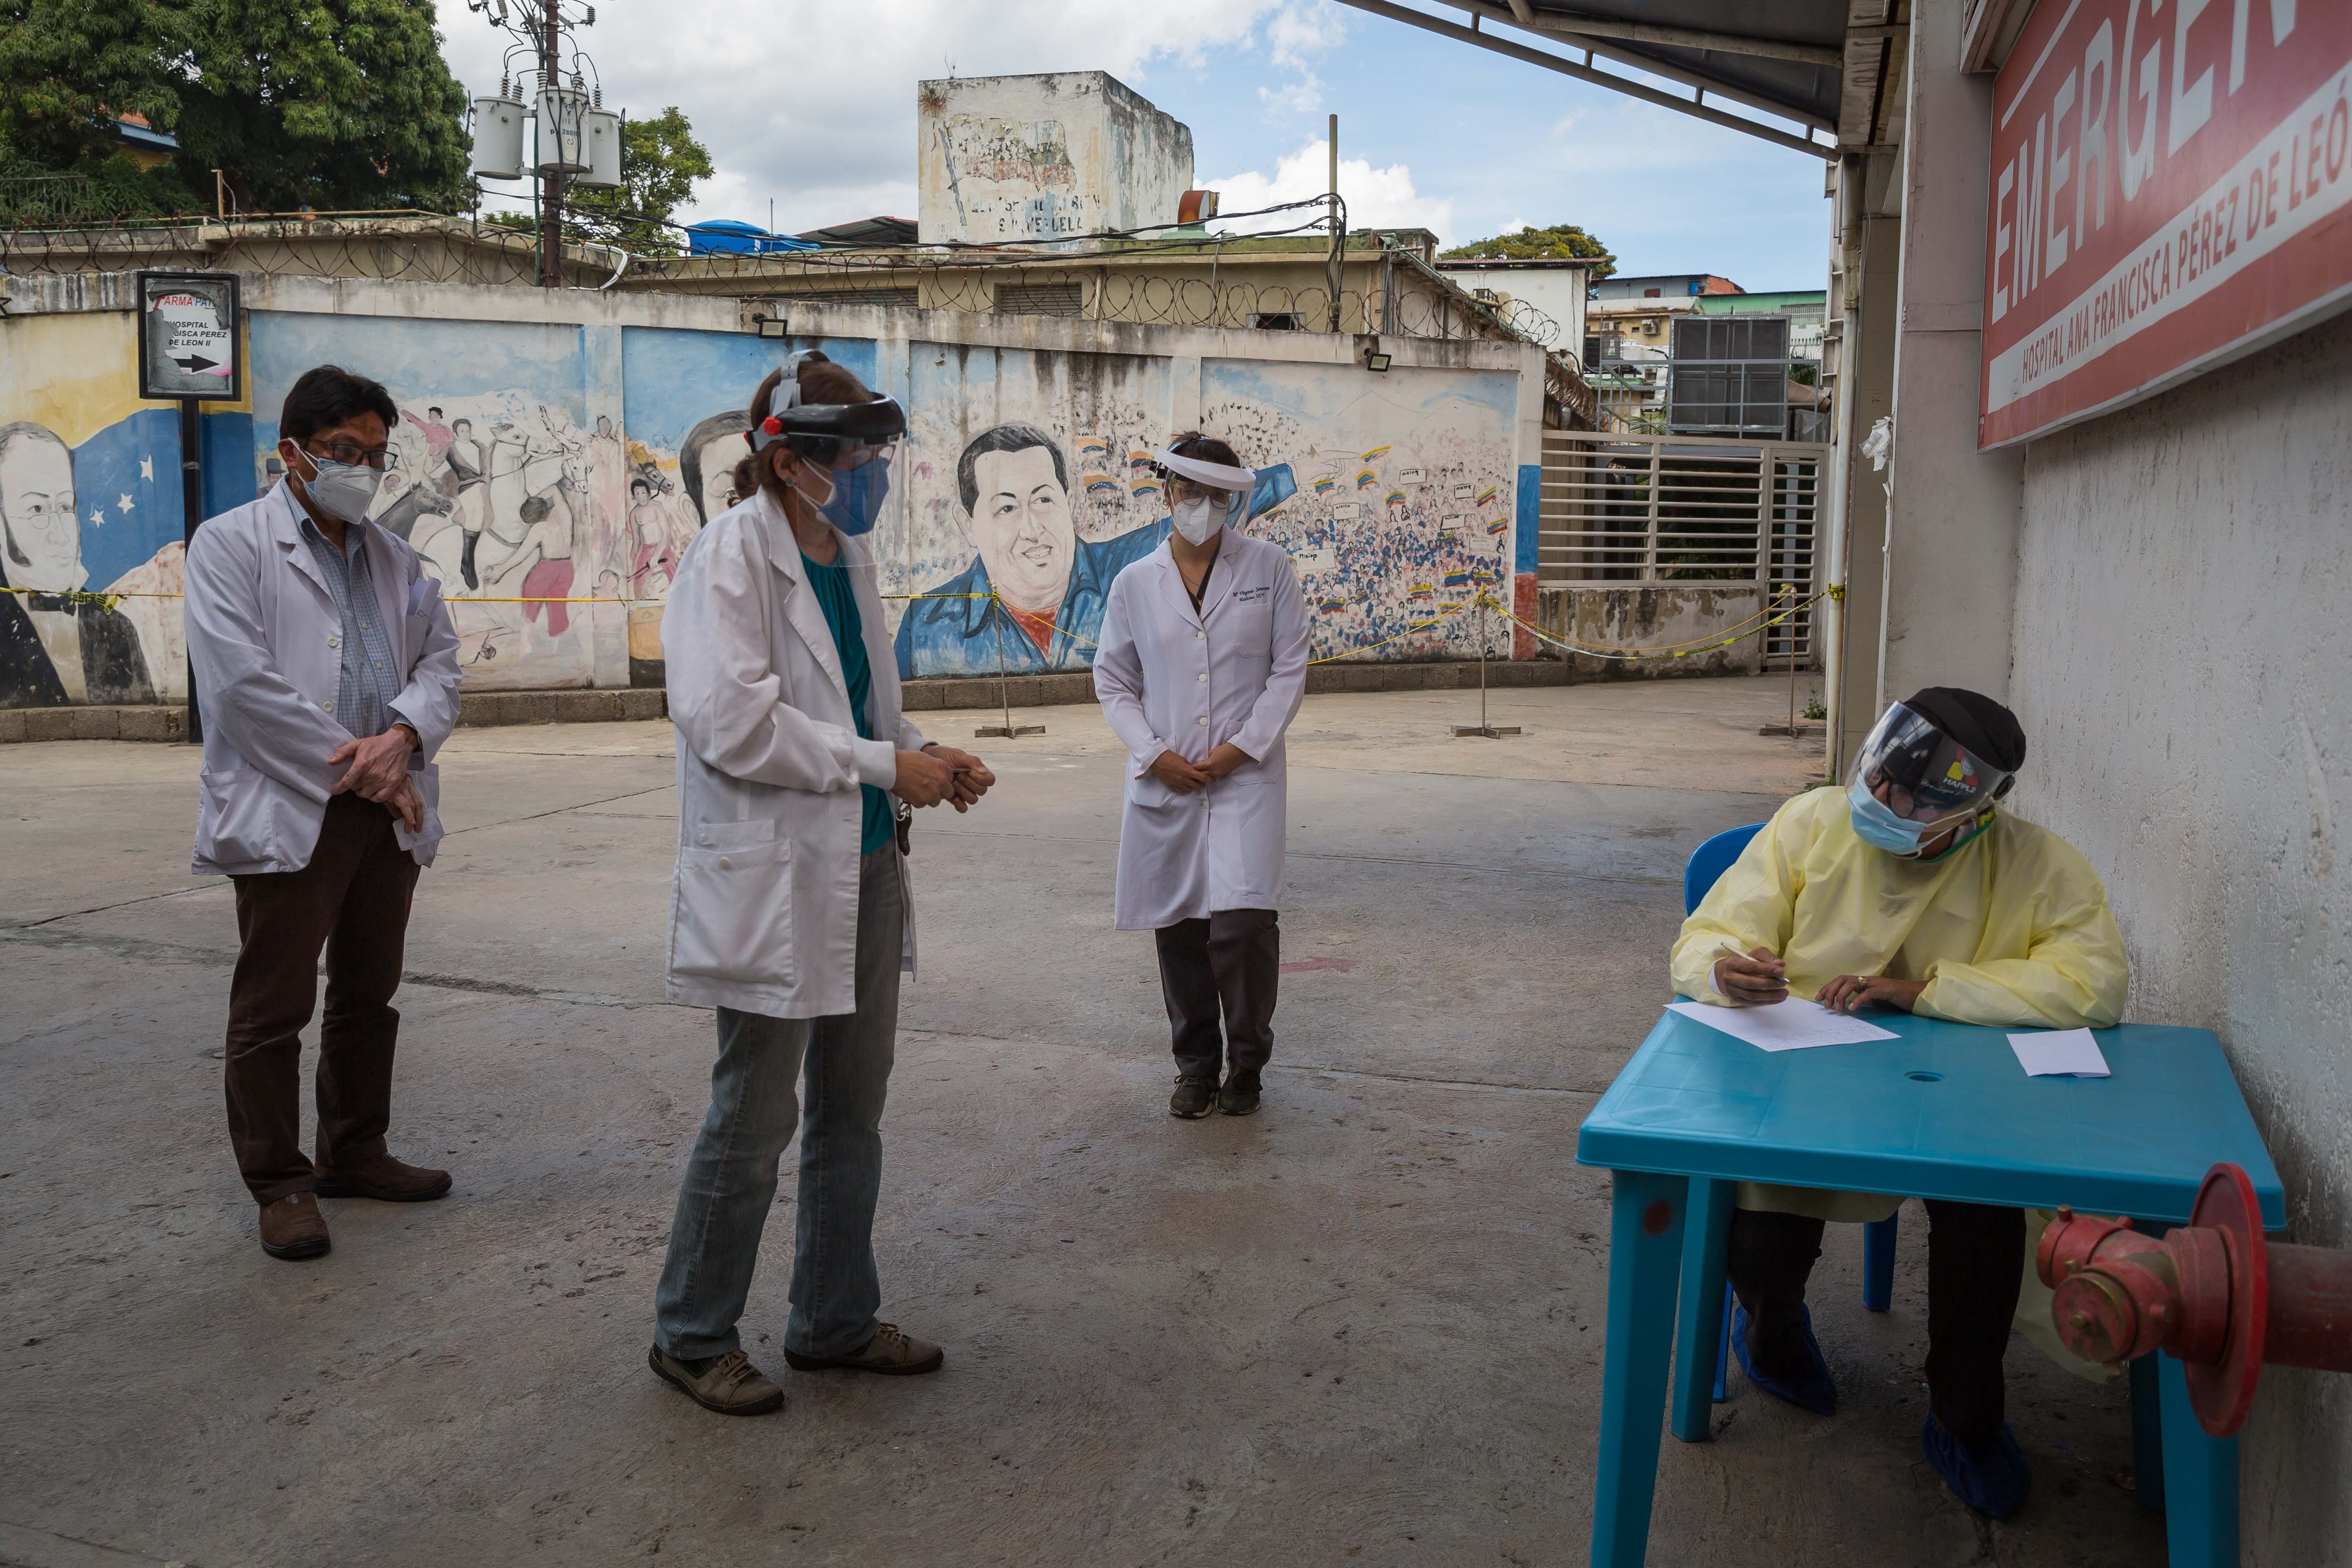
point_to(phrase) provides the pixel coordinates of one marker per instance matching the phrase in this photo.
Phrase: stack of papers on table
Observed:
(1794, 1025)
(2059, 1053)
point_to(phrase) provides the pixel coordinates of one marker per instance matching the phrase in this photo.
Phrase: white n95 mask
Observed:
(1198, 518)
(343, 491)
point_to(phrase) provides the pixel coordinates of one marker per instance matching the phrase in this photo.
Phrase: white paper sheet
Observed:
(1793, 1024)
(2059, 1053)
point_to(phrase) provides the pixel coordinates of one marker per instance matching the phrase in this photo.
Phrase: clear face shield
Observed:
(1205, 497)
(1910, 781)
(851, 442)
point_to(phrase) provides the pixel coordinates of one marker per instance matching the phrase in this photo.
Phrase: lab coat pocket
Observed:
(731, 916)
(235, 816)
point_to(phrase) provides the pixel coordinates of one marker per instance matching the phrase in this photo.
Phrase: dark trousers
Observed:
(1229, 961)
(352, 900)
(1976, 1262)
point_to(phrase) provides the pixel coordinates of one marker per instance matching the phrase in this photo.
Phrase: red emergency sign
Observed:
(2171, 187)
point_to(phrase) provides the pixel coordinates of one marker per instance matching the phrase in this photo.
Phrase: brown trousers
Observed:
(352, 900)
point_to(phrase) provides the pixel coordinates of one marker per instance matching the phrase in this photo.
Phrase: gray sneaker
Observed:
(728, 1383)
(1194, 1097)
(890, 1352)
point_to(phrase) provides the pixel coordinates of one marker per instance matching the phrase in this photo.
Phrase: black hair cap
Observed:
(1975, 720)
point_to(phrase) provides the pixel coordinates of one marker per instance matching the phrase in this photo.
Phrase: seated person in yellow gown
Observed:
(1911, 890)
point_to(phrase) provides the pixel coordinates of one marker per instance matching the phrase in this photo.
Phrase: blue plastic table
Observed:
(1945, 1111)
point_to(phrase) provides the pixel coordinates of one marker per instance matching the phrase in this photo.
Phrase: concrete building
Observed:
(1664, 286)
(1545, 296)
(1033, 159)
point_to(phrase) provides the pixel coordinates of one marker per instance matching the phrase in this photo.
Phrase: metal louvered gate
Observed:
(1645, 511)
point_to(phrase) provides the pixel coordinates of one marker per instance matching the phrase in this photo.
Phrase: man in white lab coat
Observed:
(1202, 663)
(326, 675)
(790, 910)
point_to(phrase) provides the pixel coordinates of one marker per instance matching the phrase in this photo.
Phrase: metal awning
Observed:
(1798, 61)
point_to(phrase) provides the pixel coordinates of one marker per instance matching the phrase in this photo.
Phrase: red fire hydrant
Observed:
(2214, 1293)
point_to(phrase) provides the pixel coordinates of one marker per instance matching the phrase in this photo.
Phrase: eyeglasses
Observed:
(377, 458)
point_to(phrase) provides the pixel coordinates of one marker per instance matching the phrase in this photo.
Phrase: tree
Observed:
(69, 68)
(325, 103)
(660, 162)
(1564, 240)
(330, 104)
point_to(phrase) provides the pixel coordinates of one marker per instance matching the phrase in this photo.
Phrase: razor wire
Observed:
(1130, 276)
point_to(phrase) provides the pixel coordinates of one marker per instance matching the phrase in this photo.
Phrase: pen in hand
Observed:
(1751, 979)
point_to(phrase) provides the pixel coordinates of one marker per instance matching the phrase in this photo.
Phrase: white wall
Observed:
(1022, 159)
(1951, 517)
(2183, 667)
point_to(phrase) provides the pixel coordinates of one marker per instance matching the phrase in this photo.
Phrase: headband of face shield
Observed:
(849, 442)
(1910, 781)
(1200, 518)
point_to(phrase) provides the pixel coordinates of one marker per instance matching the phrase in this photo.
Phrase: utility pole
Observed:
(551, 183)
(1338, 239)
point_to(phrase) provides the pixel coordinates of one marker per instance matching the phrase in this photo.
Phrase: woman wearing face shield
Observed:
(1910, 889)
(1201, 666)
(790, 908)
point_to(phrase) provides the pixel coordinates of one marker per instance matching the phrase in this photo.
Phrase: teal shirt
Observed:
(838, 600)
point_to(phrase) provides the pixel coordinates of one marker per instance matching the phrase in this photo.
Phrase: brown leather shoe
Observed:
(727, 1383)
(293, 1227)
(888, 1352)
(385, 1179)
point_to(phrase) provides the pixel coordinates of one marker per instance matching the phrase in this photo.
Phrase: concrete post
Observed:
(1952, 521)
(1866, 395)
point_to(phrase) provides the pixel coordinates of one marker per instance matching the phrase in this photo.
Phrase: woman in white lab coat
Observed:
(790, 910)
(1203, 663)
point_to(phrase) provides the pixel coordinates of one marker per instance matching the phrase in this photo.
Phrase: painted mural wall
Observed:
(90, 506)
(551, 475)
(1397, 493)
(502, 484)
(683, 402)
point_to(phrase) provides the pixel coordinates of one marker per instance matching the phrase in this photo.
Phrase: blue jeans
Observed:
(730, 1175)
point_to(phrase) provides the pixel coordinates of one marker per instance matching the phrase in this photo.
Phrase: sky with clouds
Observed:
(811, 105)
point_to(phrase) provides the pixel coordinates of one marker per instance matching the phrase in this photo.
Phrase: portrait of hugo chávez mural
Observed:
(54, 650)
(1013, 482)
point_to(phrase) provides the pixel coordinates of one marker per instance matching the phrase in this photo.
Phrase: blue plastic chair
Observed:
(1709, 861)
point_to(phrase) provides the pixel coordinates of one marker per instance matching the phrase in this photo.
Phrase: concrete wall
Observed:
(2183, 667)
(568, 446)
(1011, 159)
(1659, 617)
(1951, 522)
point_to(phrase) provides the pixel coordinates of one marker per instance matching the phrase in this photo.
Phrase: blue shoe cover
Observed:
(1810, 1388)
(1992, 1477)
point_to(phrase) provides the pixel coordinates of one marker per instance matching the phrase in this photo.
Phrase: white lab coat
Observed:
(265, 641)
(763, 904)
(1171, 680)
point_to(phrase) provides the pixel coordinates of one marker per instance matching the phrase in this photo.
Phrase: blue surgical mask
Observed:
(1875, 823)
(857, 496)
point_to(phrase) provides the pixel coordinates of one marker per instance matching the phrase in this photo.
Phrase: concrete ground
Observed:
(1361, 1327)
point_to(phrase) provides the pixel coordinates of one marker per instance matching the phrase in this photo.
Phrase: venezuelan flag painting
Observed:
(1423, 593)
(1376, 454)
(1457, 579)
(1332, 606)
(1367, 480)
(1496, 529)
(1486, 495)
(1094, 452)
(1396, 497)
(1102, 488)
(1324, 484)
